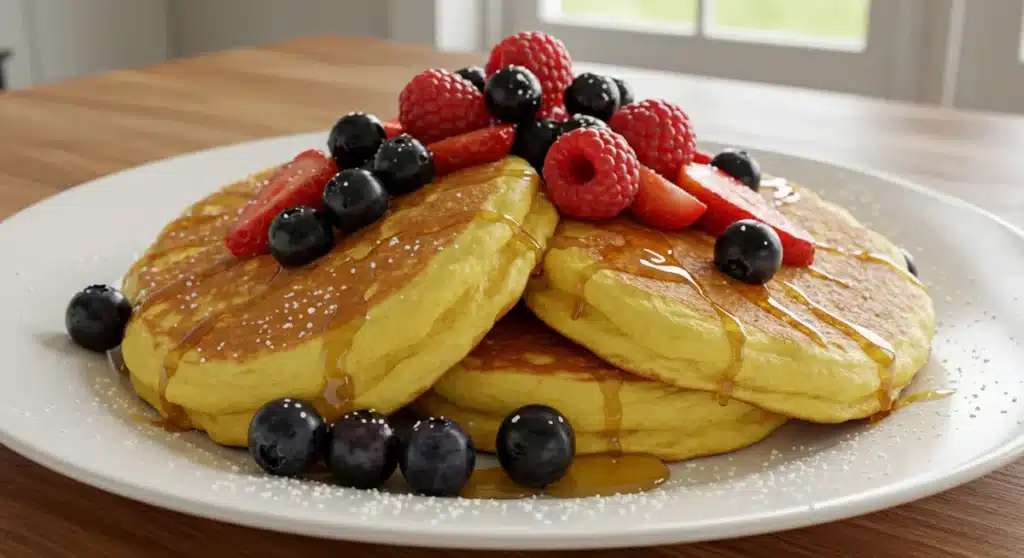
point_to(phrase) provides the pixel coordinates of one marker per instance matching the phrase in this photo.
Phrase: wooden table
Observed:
(57, 136)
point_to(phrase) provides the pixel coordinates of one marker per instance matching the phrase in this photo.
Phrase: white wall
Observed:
(206, 25)
(71, 38)
(13, 36)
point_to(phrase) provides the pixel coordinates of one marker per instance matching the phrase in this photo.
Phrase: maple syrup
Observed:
(873, 345)
(874, 257)
(589, 475)
(783, 193)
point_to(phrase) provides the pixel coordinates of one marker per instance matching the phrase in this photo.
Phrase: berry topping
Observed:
(438, 458)
(749, 251)
(626, 96)
(300, 235)
(392, 129)
(739, 165)
(578, 121)
(540, 53)
(96, 317)
(556, 113)
(911, 264)
(475, 75)
(403, 165)
(355, 138)
(513, 94)
(438, 104)
(354, 198)
(591, 173)
(659, 132)
(363, 450)
(661, 204)
(535, 446)
(299, 182)
(534, 138)
(701, 158)
(287, 436)
(475, 148)
(729, 202)
(592, 94)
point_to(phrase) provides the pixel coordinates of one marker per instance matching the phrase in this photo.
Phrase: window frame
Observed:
(899, 60)
(990, 74)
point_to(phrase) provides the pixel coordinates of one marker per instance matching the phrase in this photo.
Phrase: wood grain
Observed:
(60, 135)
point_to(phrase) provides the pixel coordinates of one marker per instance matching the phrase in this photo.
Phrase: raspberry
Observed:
(437, 104)
(660, 132)
(543, 55)
(591, 173)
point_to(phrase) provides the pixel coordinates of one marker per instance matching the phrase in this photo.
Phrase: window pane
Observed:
(660, 12)
(831, 20)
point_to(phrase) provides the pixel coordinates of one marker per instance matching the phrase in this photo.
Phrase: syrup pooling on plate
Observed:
(589, 475)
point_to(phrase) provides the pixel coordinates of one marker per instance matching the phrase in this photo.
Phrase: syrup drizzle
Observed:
(874, 257)
(614, 255)
(610, 390)
(589, 475)
(878, 349)
(339, 389)
(815, 271)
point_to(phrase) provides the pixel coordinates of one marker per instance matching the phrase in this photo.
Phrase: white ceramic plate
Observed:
(67, 409)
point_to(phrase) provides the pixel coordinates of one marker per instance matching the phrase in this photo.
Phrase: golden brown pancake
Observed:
(371, 325)
(523, 362)
(829, 343)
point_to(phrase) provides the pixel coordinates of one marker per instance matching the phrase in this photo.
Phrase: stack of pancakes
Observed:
(640, 342)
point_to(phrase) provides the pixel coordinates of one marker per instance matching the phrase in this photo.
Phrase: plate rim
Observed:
(449, 536)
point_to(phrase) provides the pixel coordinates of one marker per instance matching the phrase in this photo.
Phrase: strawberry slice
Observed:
(472, 148)
(729, 201)
(663, 205)
(393, 128)
(701, 158)
(298, 182)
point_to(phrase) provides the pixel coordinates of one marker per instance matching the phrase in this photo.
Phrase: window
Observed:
(990, 71)
(858, 46)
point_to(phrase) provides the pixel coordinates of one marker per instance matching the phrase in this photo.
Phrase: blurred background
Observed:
(958, 53)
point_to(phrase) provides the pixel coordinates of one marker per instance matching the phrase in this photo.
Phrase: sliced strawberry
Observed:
(299, 182)
(663, 205)
(729, 201)
(701, 158)
(393, 128)
(473, 148)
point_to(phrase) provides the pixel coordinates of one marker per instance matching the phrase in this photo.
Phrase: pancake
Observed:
(522, 361)
(829, 343)
(373, 324)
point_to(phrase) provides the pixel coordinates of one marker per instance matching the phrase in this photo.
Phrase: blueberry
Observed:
(476, 76)
(513, 94)
(300, 235)
(287, 436)
(403, 165)
(438, 458)
(592, 94)
(739, 165)
(626, 96)
(535, 446)
(534, 138)
(911, 264)
(577, 121)
(354, 199)
(363, 451)
(355, 138)
(749, 251)
(96, 317)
